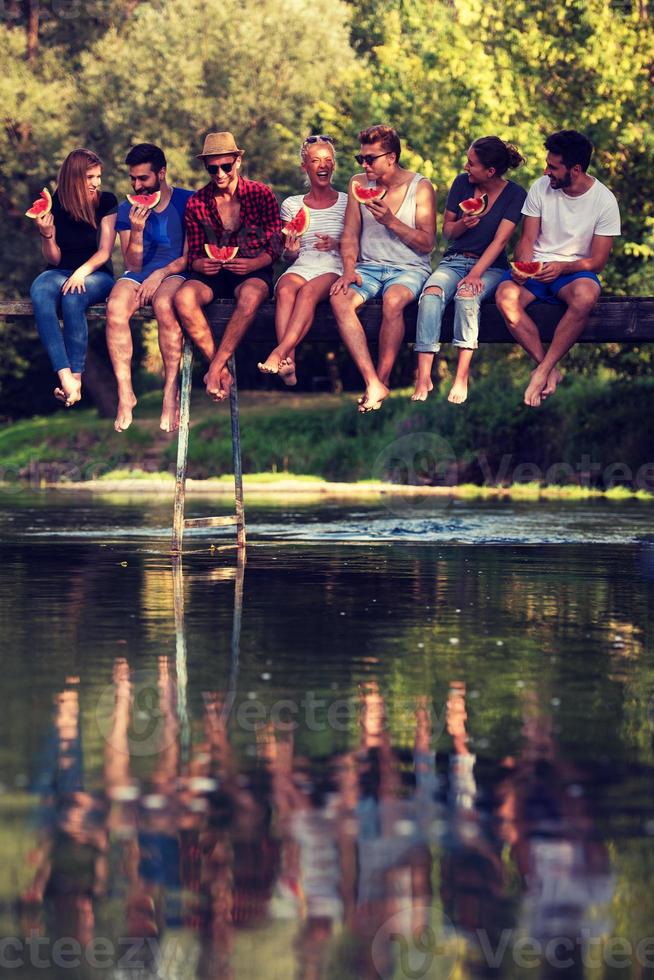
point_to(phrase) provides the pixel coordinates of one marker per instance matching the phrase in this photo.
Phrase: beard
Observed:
(559, 184)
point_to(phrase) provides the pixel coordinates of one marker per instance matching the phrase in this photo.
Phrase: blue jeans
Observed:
(448, 275)
(66, 349)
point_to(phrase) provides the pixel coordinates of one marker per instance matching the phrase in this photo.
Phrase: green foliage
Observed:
(443, 72)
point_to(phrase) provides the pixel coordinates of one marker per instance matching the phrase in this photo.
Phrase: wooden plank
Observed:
(210, 521)
(615, 320)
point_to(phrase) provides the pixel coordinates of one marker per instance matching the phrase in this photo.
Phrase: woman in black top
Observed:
(77, 238)
(475, 260)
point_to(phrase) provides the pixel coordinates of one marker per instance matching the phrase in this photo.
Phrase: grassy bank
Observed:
(593, 434)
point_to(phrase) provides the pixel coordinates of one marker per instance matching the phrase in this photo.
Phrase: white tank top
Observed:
(378, 244)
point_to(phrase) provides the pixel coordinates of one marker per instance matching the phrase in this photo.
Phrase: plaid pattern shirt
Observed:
(260, 229)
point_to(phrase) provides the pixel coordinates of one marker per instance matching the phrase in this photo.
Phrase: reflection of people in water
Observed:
(563, 863)
(70, 857)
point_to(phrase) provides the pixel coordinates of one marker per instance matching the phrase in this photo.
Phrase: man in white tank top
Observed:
(569, 225)
(385, 249)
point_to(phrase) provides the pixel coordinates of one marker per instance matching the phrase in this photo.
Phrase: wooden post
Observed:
(182, 446)
(236, 458)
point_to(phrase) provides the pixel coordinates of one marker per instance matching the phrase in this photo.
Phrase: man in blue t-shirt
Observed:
(154, 250)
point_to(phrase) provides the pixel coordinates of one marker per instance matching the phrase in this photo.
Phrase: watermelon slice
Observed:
(42, 205)
(299, 224)
(474, 206)
(527, 268)
(144, 200)
(221, 253)
(364, 195)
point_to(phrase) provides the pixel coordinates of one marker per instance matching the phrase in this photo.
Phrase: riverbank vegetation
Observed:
(588, 436)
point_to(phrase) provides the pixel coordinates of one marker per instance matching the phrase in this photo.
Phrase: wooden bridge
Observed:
(623, 320)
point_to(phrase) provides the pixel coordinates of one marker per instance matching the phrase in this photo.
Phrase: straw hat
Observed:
(216, 144)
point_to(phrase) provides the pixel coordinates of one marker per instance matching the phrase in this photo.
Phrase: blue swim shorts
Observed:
(377, 278)
(546, 292)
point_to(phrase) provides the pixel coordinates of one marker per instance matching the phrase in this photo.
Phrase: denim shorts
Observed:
(377, 278)
(547, 292)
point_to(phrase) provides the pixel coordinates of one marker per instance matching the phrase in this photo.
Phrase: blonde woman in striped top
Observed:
(315, 256)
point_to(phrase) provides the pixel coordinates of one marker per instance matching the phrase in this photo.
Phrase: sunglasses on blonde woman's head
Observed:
(213, 168)
(318, 138)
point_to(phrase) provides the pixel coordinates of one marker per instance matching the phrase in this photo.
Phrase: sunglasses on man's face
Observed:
(213, 168)
(368, 158)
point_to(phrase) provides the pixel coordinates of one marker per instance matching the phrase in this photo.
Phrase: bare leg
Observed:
(189, 301)
(170, 345)
(391, 332)
(511, 301)
(581, 295)
(299, 324)
(344, 306)
(122, 303)
(285, 296)
(459, 390)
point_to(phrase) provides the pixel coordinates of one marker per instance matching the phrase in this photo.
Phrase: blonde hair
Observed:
(310, 142)
(72, 189)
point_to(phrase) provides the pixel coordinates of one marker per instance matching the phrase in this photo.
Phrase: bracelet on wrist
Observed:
(48, 237)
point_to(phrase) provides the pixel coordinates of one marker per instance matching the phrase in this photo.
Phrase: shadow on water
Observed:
(355, 762)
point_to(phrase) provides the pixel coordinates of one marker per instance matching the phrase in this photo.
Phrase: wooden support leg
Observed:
(182, 446)
(236, 458)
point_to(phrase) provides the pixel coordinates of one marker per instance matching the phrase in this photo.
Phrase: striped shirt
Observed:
(324, 221)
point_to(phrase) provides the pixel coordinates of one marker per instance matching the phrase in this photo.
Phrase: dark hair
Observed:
(494, 152)
(385, 135)
(146, 153)
(573, 148)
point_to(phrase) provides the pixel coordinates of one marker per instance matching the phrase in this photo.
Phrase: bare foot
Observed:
(219, 382)
(271, 364)
(534, 390)
(374, 395)
(287, 371)
(458, 392)
(70, 390)
(126, 405)
(422, 390)
(554, 378)
(170, 409)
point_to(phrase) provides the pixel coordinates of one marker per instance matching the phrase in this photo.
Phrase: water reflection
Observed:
(193, 825)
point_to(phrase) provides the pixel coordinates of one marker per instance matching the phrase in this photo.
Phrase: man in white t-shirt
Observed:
(569, 225)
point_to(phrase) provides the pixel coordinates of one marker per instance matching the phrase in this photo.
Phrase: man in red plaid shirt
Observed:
(234, 211)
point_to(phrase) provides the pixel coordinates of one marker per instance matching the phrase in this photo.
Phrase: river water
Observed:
(404, 740)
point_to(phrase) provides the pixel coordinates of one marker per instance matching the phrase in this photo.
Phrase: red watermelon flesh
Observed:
(474, 206)
(221, 253)
(144, 200)
(299, 224)
(42, 205)
(364, 195)
(527, 268)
